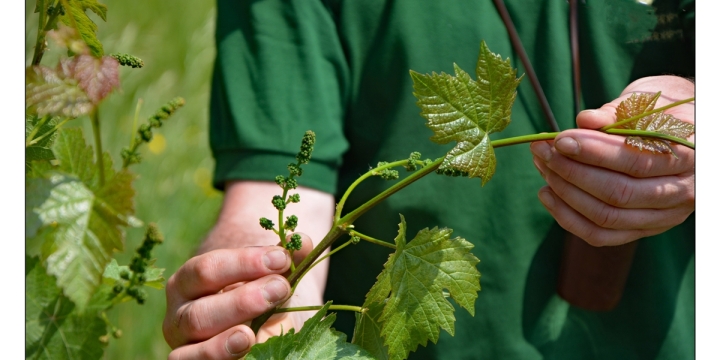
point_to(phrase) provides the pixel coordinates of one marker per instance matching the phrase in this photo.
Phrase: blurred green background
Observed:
(176, 41)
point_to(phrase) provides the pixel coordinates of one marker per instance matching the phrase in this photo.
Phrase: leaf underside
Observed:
(53, 330)
(412, 291)
(458, 108)
(82, 221)
(659, 122)
(316, 340)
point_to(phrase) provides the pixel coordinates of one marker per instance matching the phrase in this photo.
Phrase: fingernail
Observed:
(547, 199)
(274, 291)
(276, 259)
(541, 149)
(536, 161)
(236, 343)
(568, 145)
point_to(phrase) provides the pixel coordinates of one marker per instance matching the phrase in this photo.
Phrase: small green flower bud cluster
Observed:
(355, 239)
(278, 202)
(452, 172)
(135, 278)
(144, 132)
(128, 60)
(306, 148)
(295, 243)
(291, 222)
(414, 161)
(266, 223)
(56, 10)
(387, 174)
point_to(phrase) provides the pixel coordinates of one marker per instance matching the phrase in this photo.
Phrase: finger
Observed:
(577, 224)
(621, 190)
(608, 216)
(307, 246)
(201, 319)
(610, 152)
(210, 272)
(230, 344)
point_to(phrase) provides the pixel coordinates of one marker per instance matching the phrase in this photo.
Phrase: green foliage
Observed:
(461, 109)
(40, 133)
(82, 220)
(74, 16)
(316, 341)
(53, 330)
(659, 122)
(412, 283)
(367, 333)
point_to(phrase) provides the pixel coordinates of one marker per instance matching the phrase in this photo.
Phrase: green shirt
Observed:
(340, 68)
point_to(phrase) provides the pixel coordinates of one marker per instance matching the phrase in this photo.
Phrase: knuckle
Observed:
(639, 166)
(191, 320)
(621, 193)
(606, 217)
(203, 269)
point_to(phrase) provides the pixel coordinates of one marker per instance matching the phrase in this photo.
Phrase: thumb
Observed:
(596, 118)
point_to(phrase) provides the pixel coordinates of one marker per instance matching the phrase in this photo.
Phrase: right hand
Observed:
(213, 297)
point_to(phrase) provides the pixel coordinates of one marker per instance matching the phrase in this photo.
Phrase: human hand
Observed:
(213, 297)
(609, 193)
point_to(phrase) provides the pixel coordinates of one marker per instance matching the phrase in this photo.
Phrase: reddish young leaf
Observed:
(97, 77)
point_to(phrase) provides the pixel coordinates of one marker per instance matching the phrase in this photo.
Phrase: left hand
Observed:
(609, 193)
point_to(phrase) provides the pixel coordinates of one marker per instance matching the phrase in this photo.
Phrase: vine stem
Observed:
(95, 121)
(319, 261)
(372, 240)
(372, 172)
(318, 307)
(343, 225)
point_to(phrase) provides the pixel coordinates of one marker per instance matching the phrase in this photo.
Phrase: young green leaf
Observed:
(461, 109)
(659, 122)
(316, 341)
(40, 150)
(53, 330)
(76, 18)
(367, 331)
(418, 273)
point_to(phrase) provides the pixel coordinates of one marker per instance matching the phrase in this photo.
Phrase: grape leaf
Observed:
(367, 331)
(96, 76)
(418, 273)
(76, 18)
(316, 340)
(50, 92)
(45, 131)
(659, 122)
(458, 108)
(82, 219)
(53, 329)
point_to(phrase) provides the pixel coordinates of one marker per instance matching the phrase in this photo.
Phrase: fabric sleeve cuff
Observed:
(243, 165)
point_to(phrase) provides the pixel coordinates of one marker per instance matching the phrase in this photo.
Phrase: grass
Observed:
(176, 41)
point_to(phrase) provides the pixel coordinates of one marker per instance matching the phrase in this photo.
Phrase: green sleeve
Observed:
(280, 70)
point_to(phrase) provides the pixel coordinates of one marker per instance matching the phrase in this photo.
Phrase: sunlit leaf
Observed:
(82, 219)
(419, 271)
(316, 340)
(69, 38)
(53, 329)
(660, 122)
(49, 92)
(76, 18)
(461, 109)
